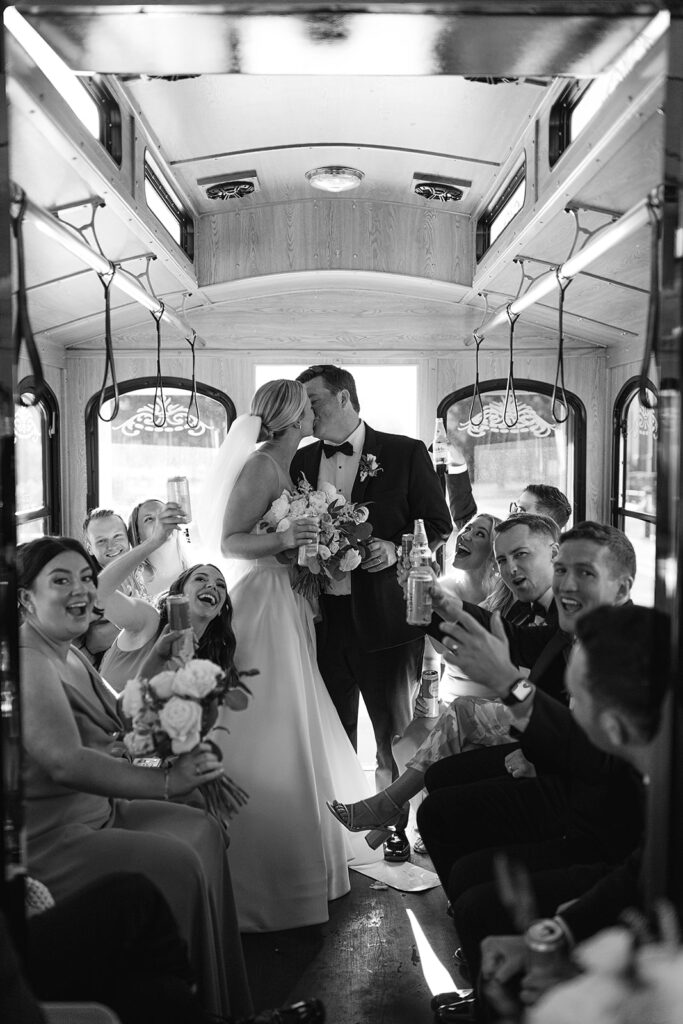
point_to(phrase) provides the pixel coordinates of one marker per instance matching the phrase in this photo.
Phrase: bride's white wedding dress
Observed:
(288, 855)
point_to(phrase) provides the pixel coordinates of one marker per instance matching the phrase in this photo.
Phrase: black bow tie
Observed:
(535, 610)
(329, 450)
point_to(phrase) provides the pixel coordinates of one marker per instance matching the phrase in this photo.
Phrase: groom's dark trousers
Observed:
(364, 642)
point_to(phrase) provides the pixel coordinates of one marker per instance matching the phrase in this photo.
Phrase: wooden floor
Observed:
(362, 963)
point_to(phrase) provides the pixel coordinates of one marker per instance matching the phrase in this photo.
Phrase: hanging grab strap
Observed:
(22, 326)
(510, 385)
(560, 400)
(193, 397)
(476, 393)
(159, 382)
(109, 365)
(652, 329)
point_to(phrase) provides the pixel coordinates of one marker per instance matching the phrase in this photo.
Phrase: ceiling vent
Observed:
(440, 190)
(230, 186)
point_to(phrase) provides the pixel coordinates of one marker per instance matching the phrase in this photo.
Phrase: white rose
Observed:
(197, 678)
(333, 546)
(181, 720)
(162, 684)
(318, 502)
(278, 509)
(361, 514)
(349, 560)
(340, 500)
(298, 508)
(131, 700)
(283, 525)
(324, 552)
(330, 490)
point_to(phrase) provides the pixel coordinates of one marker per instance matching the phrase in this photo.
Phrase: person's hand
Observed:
(455, 453)
(169, 517)
(502, 957)
(518, 766)
(379, 554)
(301, 531)
(193, 769)
(445, 600)
(539, 980)
(484, 657)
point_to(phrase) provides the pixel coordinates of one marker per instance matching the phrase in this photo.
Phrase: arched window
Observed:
(536, 449)
(131, 458)
(36, 438)
(634, 478)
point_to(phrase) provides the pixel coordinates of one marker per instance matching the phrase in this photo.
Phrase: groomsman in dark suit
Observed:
(364, 643)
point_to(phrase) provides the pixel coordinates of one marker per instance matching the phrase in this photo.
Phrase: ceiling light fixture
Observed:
(334, 179)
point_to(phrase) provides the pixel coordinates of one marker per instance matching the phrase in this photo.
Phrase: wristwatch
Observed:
(520, 690)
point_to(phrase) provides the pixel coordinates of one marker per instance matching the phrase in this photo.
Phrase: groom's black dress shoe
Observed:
(397, 847)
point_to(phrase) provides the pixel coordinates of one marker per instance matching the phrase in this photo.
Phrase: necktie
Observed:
(330, 450)
(534, 610)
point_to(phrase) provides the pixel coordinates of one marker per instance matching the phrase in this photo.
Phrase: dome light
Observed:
(334, 179)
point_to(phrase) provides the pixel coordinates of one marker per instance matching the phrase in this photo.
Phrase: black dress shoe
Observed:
(397, 848)
(459, 1011)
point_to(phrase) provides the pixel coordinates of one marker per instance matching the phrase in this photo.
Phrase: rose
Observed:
(324, 552)
(349, 560)
(330, 490)
(197, 678)
(181, 720)
(278, 509)
(139, 743)
(298, 508)
(339, 500)
(361, 514)
(132, 700)
(283, 525)
(163, 684)
(318, 502)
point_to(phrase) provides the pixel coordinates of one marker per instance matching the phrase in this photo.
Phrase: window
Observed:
(504, 207)
(36, 440)
(388, 394)
(634, 482)
(108, 117)
(130, 459)
(502, 460)
(167, 206)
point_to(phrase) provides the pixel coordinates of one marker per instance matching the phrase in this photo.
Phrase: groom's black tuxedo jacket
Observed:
(406, 489)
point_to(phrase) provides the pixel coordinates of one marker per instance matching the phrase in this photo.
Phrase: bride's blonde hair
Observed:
(279, 403)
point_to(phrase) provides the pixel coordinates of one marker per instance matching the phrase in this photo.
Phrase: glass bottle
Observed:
(420, 552)
(440, 444)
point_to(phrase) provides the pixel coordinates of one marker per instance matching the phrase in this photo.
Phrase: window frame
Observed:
(184, 219)
(109, 112)
(560, 120)
(622, 404)
(484, 223)
(125, 387)
(542, 388)
(51, 511)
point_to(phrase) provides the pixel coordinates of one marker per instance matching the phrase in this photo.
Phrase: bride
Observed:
(288, 856)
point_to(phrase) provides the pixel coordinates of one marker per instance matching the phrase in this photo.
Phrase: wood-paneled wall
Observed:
(326, 234)
(585, 375)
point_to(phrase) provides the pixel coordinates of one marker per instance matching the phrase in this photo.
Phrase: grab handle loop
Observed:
(193, 397)
(652, 329)
(109, 365)
(476, 393)
(510, 384)
(22, 326)
(159, 381)
(559, 396)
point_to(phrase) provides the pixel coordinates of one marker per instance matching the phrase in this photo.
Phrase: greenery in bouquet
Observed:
(173, 711)
(343, 537)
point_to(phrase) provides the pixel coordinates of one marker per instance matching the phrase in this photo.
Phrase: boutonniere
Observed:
(369, 466)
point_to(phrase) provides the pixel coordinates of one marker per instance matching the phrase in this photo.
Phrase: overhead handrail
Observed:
(652, 328)
(639, 216)
(77, 246)
(510, 385)
(109, 362)
(23, 332)
(561, 398)
(159, 382)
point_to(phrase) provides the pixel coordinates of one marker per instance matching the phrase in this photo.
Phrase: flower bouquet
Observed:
(343, 537)
(173, 711)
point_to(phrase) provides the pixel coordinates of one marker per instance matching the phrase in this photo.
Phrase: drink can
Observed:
(545, 944)
(178, 609)
(419, 598)
(406, 547)
(429, 686)
(178, 490)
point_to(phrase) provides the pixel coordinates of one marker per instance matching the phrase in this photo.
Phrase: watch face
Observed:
(520, 690)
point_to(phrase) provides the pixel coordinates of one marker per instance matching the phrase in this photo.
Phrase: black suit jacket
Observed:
(407, 489)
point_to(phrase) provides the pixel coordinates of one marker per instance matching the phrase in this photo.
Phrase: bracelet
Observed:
(167, 769)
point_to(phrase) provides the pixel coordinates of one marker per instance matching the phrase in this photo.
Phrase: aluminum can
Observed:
(308, 550)
(546, 946)
(418, 596)
(406, 547)
(178, 490)
(178, 609)
(427, 703)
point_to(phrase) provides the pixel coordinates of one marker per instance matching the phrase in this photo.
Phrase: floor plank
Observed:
(362, 963)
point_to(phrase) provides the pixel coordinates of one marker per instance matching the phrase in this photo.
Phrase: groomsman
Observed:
(364, 643)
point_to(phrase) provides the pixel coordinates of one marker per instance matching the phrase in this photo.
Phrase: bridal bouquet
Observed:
(174, 710)
(344, 533)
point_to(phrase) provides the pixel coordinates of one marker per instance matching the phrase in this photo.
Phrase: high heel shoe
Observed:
(378, 832)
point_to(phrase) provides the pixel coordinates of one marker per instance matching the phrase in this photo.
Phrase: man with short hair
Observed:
(543, 500)
(364, 642)
(617, 697)
(581, 807)
(105, 535)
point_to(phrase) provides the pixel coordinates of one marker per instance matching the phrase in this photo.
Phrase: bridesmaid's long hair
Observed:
(279, 403)
(218, 642)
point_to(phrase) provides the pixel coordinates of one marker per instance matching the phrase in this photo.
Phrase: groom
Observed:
(364, 643)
